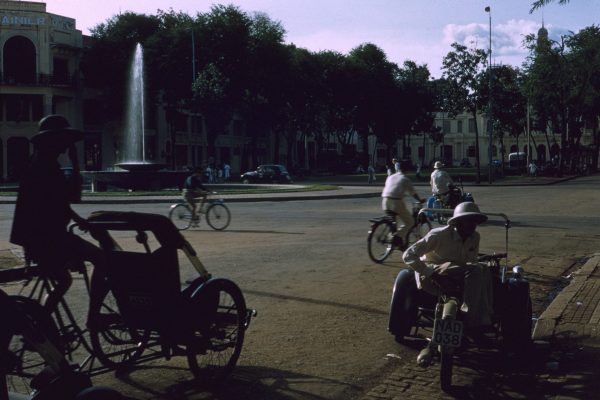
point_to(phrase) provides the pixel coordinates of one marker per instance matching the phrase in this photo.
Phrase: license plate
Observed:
(447, 332)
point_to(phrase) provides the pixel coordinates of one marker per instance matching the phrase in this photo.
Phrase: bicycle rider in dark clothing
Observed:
(43, 212)
(194, 189)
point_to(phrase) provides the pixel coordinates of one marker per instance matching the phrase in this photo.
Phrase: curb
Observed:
(545, 327)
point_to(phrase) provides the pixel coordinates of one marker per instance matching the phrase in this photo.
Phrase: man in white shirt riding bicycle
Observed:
(397, 186)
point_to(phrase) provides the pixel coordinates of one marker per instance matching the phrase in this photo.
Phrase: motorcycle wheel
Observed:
(446, 365)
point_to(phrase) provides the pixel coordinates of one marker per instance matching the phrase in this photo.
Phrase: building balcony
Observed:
(59, 80)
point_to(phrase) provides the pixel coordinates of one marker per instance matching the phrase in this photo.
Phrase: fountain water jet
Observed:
(133, 151)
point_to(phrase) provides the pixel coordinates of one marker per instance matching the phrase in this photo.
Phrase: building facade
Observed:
(39, 64)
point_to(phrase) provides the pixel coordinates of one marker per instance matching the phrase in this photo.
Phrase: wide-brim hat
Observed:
(55, 129)
(467, 210)
(438, 165)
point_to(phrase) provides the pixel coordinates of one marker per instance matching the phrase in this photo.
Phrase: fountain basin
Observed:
(136, 179)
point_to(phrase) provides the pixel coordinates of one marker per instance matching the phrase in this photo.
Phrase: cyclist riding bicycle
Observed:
(397, 186)
(440, 182)
(193, 189)
(43, 212)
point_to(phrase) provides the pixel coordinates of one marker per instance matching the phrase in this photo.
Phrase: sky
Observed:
(417, 30)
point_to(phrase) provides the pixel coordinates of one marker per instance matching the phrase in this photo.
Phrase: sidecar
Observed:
(412, 310)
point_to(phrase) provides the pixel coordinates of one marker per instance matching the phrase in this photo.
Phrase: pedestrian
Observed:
(388, 169)
(226, 171)
(396, 165)
(371, 172)
(532, 169)
(418, 173)
(209, 174)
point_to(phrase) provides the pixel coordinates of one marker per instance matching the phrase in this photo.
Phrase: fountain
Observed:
(133, 152)
(137, 173)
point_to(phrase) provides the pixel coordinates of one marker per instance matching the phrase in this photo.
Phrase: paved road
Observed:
(321, 331)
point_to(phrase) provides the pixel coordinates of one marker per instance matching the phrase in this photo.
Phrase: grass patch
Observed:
(166, 193)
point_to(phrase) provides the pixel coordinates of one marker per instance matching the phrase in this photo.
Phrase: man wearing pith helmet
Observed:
(450, 250)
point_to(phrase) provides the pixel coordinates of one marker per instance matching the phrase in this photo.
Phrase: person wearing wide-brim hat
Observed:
(43, 208)
(453, 251)
(55, 132)
(440, 181)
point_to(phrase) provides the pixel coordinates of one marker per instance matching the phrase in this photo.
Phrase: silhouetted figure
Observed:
(43, 211)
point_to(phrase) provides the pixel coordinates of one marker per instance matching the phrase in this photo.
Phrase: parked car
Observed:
(267, 173)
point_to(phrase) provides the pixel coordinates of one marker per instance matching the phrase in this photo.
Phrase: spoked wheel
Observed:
(446, 365)
(115, 344)
(181, 216)
(379, 241)
(418, 231)
(23, 362)
(218, 333)
(218, 216)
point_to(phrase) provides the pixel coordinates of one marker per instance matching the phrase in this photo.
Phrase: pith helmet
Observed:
(438, 165)
(55, 129)
(468, 210)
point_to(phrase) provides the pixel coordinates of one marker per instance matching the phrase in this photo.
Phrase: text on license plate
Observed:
(447, 332)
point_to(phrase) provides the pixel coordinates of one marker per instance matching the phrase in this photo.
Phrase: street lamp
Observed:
(490, 118)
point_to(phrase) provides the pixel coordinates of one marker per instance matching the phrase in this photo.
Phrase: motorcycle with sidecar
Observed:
(415, 313)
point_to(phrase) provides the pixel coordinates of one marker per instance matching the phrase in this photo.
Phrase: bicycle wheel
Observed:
(181, 216)
(218, 216)
(218, 333)
(115, 344)
(417, 232)
(23, 362)
(379, 241)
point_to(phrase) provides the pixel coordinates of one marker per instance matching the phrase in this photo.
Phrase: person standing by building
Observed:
(371, 172)
(226, 172)
(397, 186)
(396, 165)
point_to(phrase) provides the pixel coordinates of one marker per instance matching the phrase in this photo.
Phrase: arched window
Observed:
(19, 60)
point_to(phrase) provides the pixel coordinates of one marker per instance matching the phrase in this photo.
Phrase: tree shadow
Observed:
(248, 383)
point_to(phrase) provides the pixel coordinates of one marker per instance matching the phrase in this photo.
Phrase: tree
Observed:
(462, 70)
(509, 102)
(541, 3)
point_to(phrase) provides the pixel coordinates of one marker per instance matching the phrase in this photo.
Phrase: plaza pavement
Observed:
(565, 361)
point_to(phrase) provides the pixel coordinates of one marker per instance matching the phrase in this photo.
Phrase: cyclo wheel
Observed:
(379, 241)
(218, 331)
(218, 216)
(446, 365)
(24, 362)
(115, 344)
(418, 232)
(181, 216)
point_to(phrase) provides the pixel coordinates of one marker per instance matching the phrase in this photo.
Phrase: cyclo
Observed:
(145, 308)
(414, 312)
(448, 200)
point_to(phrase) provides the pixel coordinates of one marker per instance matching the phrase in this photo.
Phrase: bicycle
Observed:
(217, 214)
(137, 308)
(48, 374)
(380, 239)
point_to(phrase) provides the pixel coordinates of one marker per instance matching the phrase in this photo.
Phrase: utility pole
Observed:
(490, 115)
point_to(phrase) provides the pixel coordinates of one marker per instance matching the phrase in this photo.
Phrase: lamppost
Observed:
(490, 117)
